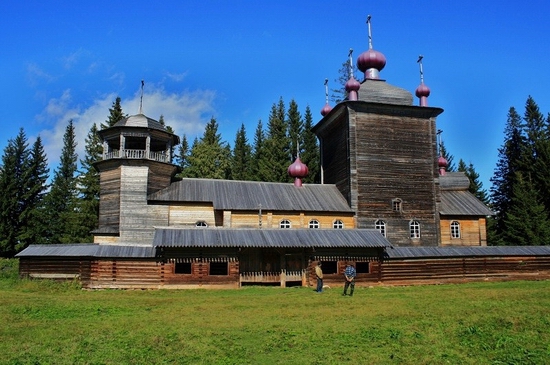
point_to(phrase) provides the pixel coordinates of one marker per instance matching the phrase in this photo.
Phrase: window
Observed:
(455, 229)
(182, 268)
(329, 267)
(285, 223)
(201, 224)
(314, 223)
(362, 267)
(380, 225)
(397, 205)
(414, 229)
(338, 224)
(218, 268)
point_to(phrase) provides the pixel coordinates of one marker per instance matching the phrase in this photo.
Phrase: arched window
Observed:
(201, 224)
(285, 223)
(397, 205)
(455, 229)
(414, 229)
(380, 225)
(314, 223)
(338, 224)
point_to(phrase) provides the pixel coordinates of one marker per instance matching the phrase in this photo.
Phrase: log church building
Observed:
(385, 204)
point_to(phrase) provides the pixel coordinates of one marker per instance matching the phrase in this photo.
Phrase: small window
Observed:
(338, 224)
(414, 228)
(218, 268)
(285, 223)
(455, 229)
(314, 223)
(182, 268)
(380, 225)
(201, 224)
(362, 267)
(329, 267)
(397, 205)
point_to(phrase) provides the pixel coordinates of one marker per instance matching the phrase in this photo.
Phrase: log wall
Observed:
(472, 231)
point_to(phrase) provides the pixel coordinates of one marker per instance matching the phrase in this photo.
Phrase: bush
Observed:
(9, 269)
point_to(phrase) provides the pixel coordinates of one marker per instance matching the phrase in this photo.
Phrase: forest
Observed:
(39, 208)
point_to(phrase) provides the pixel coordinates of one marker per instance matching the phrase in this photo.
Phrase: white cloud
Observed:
(187, 112)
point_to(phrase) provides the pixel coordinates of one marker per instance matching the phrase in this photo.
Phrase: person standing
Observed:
(319, 274)
(349, 274)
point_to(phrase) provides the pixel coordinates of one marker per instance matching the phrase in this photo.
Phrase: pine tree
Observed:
(115, 114)
(340, 94)
(61, 201)
(14, 160)
(210, 157)
(510, 156)
(89, 185)
(241, 156)
(527, 220)
(310, 154)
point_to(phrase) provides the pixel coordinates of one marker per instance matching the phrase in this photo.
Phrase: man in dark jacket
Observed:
(349, 274)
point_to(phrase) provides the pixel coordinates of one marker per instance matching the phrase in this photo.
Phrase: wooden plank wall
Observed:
(199, 276)
(472, 231)
(55, 268)
(124, 274)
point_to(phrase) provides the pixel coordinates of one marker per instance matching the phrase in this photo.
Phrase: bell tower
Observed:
(136, 162)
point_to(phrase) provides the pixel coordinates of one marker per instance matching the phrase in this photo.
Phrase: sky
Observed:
(232, 60)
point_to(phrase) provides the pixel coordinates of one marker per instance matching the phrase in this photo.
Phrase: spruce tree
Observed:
(310, 154)
(445, 154)
(476, 186)
(509, 164)
(274, 166)
(258, 152)
(295, 130)
(241, 157)
(210, 157)
(33, 218)
(182, 158)
(89, 185)
(115, 114)
(12, 174)
(527, 220)
(61, 201)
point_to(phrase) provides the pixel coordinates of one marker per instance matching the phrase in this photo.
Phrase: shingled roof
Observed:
(88, 250)
(248, 195)
(456, 199)
(224, 237)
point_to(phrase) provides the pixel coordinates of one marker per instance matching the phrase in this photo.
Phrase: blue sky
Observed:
(232, 60)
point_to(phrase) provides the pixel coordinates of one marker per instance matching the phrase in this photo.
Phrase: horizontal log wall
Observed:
(186, 215)
(55, 268)
(124, 274)
(472, 231)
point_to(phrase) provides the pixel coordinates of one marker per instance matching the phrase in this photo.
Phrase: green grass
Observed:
(42, 322)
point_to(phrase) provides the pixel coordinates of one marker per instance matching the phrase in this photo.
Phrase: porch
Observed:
(284, 278)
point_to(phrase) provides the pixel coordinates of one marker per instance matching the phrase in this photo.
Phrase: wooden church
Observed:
(385, 204)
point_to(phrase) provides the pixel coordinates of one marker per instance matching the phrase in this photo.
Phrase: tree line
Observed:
(35, 210)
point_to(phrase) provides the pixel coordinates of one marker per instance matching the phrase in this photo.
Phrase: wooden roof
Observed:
(248, 195)
(223, 237)
(470, 251)
(462, 203)
(88, 250)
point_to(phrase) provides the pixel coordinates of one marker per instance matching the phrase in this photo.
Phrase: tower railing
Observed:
(137, 154)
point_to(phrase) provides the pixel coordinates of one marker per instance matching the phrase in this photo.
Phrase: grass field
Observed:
(484, 323)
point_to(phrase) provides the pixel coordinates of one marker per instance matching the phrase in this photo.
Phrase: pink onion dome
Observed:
(422, 91)
(371, 63)
(442, 163)
(298, 170)
(352, 86)
(326, 109)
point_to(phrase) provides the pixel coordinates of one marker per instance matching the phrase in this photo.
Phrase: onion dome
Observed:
(298, 170)
(422, 92)
(442, 163)
(326, 109)
(371, 63)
